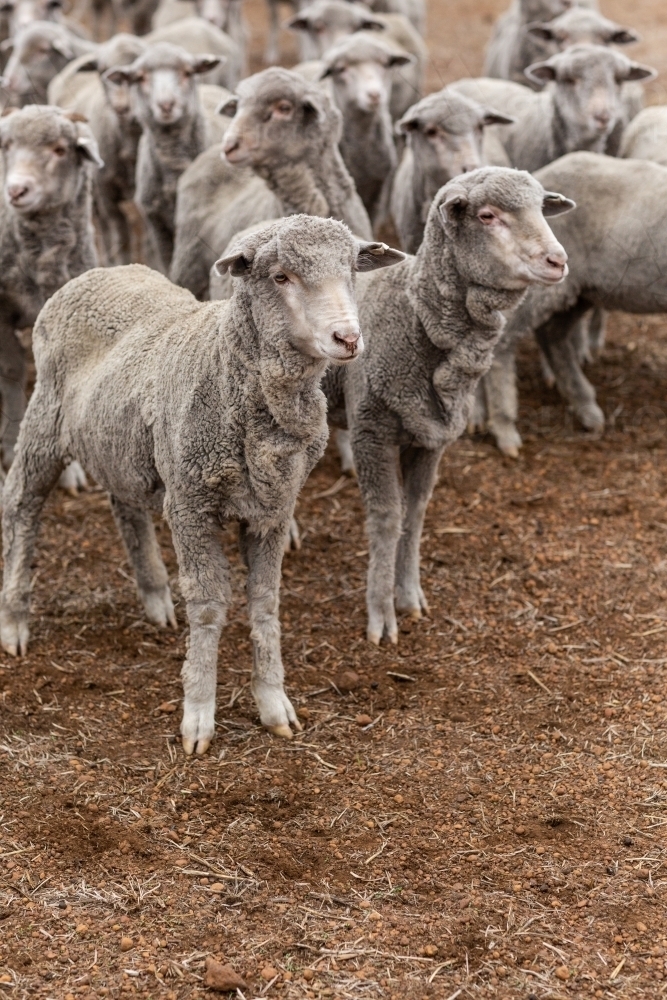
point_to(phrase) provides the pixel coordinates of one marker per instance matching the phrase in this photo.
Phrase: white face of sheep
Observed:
(166, 87)
(43, 160)
(587, 82)
(216, 12)
(505, 246)
(366, 84)
(447, 145)
(327, 27)
(320, 310)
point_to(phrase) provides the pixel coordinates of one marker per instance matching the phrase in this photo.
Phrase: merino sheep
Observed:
(645, 138)
(513, 46)
(199, 38)
(580, 26)
(359, 69)
(579, 110)
(46, 236)
(326, 22)
(83, 86)
(619, 261)
(431, 330)
(140, 382)
(226, 15)
(38, 53)
(281, 157)
(175, 131)
(24, 12)
(444, 134)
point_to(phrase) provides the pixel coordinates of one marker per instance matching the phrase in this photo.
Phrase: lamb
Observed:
(175, 131)
(140, 382)
(281, 157)
(431, 332)
(46, 237)
(580, 110)
(618, 260)
(38, 53)
(200, 37)
(83, 86)
(327, 22)
(443, 139)
(359, 69)
(513, 47)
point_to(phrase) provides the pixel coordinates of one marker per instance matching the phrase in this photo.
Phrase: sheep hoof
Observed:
(73, 479)
(293, 540)
(508, 441)
(199, 746)
(282, 730)
(188, 746)
(374, 637)
(159, 607)
(13, 634)
(591, 416)
(415, 613)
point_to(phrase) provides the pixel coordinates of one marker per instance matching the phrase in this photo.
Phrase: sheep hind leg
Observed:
(502, 401)
(263, 556)
(558, 340)
(33, 474)
(420, 469)
(12, 390)
(138, 533)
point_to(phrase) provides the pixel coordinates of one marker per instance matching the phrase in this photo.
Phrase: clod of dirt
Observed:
(222, 977)
(363, 720)
(562, 972)
(268, 973)
(126, 944)
(347, 681)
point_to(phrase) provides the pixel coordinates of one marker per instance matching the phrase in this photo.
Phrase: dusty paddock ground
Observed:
(478, 813)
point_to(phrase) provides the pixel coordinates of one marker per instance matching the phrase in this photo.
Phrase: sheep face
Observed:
(495, 221)
(216, 12)
(587, 81)
(26, 11)
(580, 26)
(300, 272)
(44, 155)
(164, 81)
(327, 22)
(122, 50)
(362, 72)
(39, 52)
(277, 118)
(445, 133)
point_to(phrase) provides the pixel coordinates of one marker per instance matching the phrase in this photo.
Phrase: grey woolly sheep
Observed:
(226, 15)
(38, 53)
(326, 22)
(580, 26)
(645, 138)
(281, 157)
(444, 134)
(618, 258)
(580, 109)
(46, 236)
(200, 38)
(23, 12)
(175, 129)
(207, 412)
(431, 330)
(109, 107)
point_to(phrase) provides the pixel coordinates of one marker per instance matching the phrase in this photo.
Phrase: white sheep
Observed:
(208, 412)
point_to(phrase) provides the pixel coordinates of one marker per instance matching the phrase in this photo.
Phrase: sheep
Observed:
(580, 110)
(326, 22)
(46, 237)
(83, 87)
(578, 26)
(431, 330)
(226, 15)
(175, 131)
(645, 138)
(443, 139)
(142, 384)
(359, 70)
(24, 12)
(616, 244)
(281, 157)
(200, 37)
(513, 47)
(38, 53)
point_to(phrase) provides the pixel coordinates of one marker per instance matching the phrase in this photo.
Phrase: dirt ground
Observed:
(479, 812)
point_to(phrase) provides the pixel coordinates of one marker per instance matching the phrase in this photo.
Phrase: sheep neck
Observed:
(425, 185)
(176, 146)
(370, 130)
(564, 141)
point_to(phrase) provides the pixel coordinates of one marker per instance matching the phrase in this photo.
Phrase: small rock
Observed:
(375, 915)
(519, 830)
(364, 905)
(126, 944)
(642, 928)
(363, 720)
(81, 928)
(430, 950)
(495, 730)
(562, 972)
(166, 707)
(268, 973)
(303, 713)
(398, 798)
(347, 681)
(62, 905)
(217, 887)
(308, 974)
(222, 977)
(5, 978)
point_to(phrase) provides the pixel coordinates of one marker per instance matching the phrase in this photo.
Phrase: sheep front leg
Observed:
(205, 585)
(138, 533)
(502, 401)
(263, 556)
(376, 462)
(420, 469)
(557, 338)
(12, 390)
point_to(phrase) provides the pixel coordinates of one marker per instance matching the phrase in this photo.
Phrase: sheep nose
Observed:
(557, 259)
(346, 334)
(17, 189)
(167, 106)
(374, 97)
(602, 118)
(231, 145)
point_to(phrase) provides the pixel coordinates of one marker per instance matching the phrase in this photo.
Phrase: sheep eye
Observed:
(280, 278)
(59, 150)
(486, 217)
(430, 132)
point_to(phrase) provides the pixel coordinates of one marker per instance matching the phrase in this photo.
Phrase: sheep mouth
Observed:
(550, 276)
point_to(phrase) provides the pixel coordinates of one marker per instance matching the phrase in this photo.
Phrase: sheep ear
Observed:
(238, 263)
(623, 36)
(298, 23)
(88, 148)
(327, 71)
(89, 64)
(493, 117)
(636, 71)
(540, 73)
(455, 203)
(407, 125)
(205, 63)
(120, 75)
(63, 47)
(311, 112)
(399, 60)
(228, 107)
(556, 204)
(373, 255)
(540, 30)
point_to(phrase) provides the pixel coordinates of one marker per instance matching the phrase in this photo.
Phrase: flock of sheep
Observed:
(202, 386)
